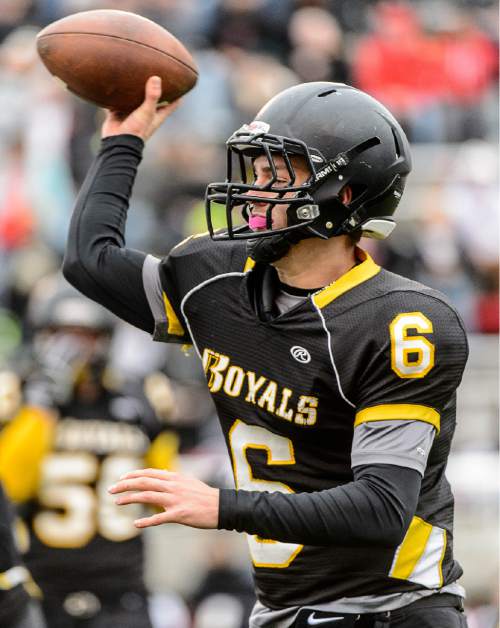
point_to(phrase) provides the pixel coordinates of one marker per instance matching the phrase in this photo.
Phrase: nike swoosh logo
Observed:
(314, 621)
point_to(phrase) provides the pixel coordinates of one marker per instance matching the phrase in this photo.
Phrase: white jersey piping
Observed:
(330, 351)
(192, 291)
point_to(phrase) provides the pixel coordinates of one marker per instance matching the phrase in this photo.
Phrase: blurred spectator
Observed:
(255, 79)
(38, 185)
(317, 53)
(437, 82)
(224, 597)
(255, 25)
(472, 198)
(17, 220)
(12, 14)
(208, 112)
(469, 70)
(441, 259)
(399, 65)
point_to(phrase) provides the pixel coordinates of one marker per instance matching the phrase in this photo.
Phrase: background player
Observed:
(17, 608)
(329, 163)
(85, 555)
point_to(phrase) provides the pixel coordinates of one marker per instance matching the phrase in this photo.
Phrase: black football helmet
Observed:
(347, 139)
(55, 304)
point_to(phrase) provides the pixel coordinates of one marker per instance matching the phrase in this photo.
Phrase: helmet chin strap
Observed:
(268, 250)
(274, 247)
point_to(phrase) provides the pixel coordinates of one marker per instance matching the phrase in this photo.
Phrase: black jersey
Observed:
(361, 372)
(338, 413)
(79, 538)
(13, 575)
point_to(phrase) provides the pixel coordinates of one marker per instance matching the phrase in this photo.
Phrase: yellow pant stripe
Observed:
(400, 412)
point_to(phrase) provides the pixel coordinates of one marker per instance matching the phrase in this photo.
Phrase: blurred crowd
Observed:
(434, 63)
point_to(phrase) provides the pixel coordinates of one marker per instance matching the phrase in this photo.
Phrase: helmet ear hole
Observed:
(357, 191)
(346, 195)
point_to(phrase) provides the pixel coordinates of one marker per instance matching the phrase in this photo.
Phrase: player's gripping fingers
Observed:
(144, 120)
(152, 94)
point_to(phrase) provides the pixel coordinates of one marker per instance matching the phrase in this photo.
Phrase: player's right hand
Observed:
(144, 120)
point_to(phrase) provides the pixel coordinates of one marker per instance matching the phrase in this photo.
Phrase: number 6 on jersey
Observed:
(264, 552)
(411, 356)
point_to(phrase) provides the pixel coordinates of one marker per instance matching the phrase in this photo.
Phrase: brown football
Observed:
(106, 56)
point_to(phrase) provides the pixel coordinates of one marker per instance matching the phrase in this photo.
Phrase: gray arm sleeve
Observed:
(401, 443)
(153, 290)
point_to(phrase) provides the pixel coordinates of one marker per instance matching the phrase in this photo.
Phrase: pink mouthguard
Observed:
(257, 222)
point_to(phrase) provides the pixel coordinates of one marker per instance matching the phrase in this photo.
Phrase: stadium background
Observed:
(432, 62)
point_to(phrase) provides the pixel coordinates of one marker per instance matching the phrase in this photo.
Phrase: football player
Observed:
(76, 430)
(334, 380)
(17, 608)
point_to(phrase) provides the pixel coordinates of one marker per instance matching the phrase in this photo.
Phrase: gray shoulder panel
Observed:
(402, 443)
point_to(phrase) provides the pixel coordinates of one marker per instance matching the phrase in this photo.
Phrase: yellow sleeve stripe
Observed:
(412, 548)
(174, 325)
(357, 275)
(399, 412)
(249, 264)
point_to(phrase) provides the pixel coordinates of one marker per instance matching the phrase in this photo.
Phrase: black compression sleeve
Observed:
(375, 509)
(96, 260)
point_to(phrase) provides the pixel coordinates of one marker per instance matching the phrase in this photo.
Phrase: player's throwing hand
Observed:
(184, 499)
(144, 120)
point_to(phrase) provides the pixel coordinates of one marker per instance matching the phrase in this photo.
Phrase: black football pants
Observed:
(436, 611)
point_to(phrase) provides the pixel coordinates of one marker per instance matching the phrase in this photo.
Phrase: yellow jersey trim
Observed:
(249, 264)
(174, 325)
(411, 549)
(399, 412)
(352, 278)
(193, 236)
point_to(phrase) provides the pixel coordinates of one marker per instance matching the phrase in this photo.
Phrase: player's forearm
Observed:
(375, 509)
(96, 260)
